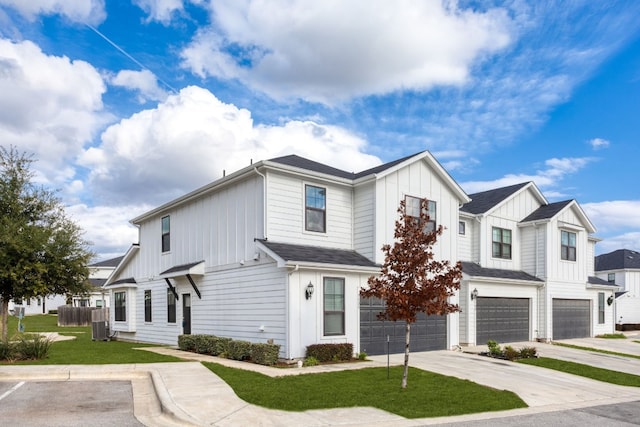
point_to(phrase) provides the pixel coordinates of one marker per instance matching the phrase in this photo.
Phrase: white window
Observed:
(120, 306)
(412, 205)
(501, 243)
(333, 306)
(315, 218)
(568, 245)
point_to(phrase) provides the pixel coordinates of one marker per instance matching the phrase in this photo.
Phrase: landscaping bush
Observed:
(238, 350)
(33, 347)
(494, 348)
(528, 353)
(510, 353)
(330, 352)
(265, 354)
(221, 345)
(204, 344)
(310, 361)
(7, 351)
(186, 343)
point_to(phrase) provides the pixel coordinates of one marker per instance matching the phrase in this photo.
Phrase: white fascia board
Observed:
(603, 287)
(332, 267)
(280, 262)
(501, 281)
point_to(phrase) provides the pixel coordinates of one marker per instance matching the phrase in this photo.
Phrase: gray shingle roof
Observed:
(486, 200)
(316, 254)
(301, 162)
(546, 211)
(598, 281)
(113, 262)
(475, 270)
(182, 267)
(618, 260)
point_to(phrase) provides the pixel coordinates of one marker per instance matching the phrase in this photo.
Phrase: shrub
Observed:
(528, 353)
(330, 352)
(33, 347)
(204, 344)
(265, 354)
(238, 350)
(362, 356)
(494, 348)
(186, 343)
(511, 353)
(7, 351)
(220, 346)
(310, 361)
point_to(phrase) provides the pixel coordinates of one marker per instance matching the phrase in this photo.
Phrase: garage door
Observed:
(428, 333)
(571, 318)
(502, 319)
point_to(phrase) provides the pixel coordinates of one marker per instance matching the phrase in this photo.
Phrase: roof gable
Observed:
(547, 211)
(486, 201)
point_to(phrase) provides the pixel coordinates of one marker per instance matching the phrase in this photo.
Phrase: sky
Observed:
(129, 104)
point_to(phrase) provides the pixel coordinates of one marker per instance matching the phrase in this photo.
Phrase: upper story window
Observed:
(166, 234)
(501, 242)
(315, 204)
(611, 277)
(413, 209)
(462, 228)
(567, 245)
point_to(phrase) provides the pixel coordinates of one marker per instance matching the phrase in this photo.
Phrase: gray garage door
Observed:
(428, 333)
(502, 319)
(571, 318)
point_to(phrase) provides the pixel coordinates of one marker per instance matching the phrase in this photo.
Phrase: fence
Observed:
(81, 316)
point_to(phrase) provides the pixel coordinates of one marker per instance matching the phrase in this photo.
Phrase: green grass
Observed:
(83, 350)
(612, 336)
(597, 350)
(599, 374)
(427, 395)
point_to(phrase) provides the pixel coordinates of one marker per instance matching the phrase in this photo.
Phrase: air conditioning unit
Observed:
(99, 331)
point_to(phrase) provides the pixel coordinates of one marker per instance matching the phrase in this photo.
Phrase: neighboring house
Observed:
(38, 305)
(528, 269)
(279, 251)
(622, 267)
(99, 272)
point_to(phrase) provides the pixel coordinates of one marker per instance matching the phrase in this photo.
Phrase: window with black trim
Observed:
(501, 243)
(567, 245)
(315, 218)
(147, 305)
(601, 307)
(611, 277)
(413, 204)
(333, 292)
(171, 307)
(120, 306)
(166, 234)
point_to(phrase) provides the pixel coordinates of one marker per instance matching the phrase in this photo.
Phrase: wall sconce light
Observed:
(474, 294)
(309, 291)
(610, 300)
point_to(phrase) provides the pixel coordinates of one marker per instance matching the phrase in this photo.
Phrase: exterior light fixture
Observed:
(474, 294)
(610, 300)
(308, 291)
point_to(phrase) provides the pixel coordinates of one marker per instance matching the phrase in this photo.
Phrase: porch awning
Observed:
(129, 282)
(186, 270)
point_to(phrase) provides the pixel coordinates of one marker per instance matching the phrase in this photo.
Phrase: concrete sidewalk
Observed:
(188, 394)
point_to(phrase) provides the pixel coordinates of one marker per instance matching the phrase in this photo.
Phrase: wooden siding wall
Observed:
(286, 210)
(416, 180)
(563, 270)
(364, 220)
(465, 241)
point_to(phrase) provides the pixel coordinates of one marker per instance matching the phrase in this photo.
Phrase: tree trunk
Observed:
(5, 319)
(406, 354)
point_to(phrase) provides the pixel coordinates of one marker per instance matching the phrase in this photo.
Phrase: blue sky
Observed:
(127, 105)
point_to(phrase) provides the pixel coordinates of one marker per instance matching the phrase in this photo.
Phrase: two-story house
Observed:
(622, 267)
(279, 251)
(528, 269)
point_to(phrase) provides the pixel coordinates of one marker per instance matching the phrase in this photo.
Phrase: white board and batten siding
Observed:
(286, 212)
(466, 241)
(364, 219)
(218, 228)
(418, 180)
(564, 270)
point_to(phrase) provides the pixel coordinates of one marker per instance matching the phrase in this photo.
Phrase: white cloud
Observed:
(144, 82)
(107, 228)
(83, 11)
(333, 50)
(160, 10)
(188, 141)
(599, 143)
(50, 106)
(546, 179)
(614, 215)
(629, 240)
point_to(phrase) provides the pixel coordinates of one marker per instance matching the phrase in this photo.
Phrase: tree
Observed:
(412, 281)
(42, 251)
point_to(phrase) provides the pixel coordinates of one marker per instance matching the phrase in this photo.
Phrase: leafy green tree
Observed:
(412, 281)
(42, 251)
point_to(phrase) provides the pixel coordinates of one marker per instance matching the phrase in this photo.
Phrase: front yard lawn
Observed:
(83, 350)
(599, 374)
(427, 395)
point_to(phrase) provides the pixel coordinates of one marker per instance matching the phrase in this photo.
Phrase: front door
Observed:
(186, 314)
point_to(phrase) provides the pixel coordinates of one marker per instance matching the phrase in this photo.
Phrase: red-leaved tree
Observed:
(412, 281)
